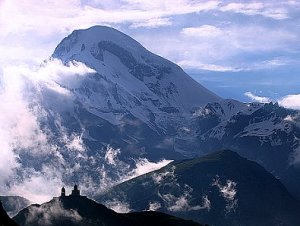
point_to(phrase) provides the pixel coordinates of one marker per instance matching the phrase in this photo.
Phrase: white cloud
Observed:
(173, 7)
(75, 142)
(18, 125)
(118, 206)
(257, 8)
(144, 166)
(31, 15)
(220, 48)
(46, 215)
(256, 98)
(180, 200)
(40, 187)
(21, 132)
(202, 31)
(111, 155)
(25, 38)
(182, 203)
(295, 119)
(53, 74)
(152, 23)
(228, 192)
(295, 157)
(25, 33)
(158, 178)
(154, 206)
(202, 66)
(290, 101)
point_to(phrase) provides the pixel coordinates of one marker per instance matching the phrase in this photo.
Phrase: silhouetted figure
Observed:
(63, 192)
(75, 191)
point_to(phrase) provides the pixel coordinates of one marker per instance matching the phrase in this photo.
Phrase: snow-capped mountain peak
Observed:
(131, 78)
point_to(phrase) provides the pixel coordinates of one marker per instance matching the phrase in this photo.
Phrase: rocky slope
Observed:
(220, 189)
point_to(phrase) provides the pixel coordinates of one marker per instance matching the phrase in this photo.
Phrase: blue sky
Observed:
(232, 47)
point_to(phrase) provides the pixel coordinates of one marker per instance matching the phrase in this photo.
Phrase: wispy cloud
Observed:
(22, 133)
(202, 31)
(30, 15)
(295, 157)
(228, 191)
(203, 66)
(154, 206)
(47, 215)
(256, 98)
(290, 101)
(226, 47)
(152, 23)
(198, 29)
(265, 9)
(118, 206)
(176, 201)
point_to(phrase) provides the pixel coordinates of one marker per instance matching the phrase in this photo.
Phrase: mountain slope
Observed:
(153, 83)
(13, 204)
(220, 189)
(4, 218)
(79, 210)
(129, 99)
(265, 133)
(130, 86)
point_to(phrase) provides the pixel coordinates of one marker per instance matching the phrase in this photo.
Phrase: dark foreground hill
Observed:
(81, 211)
(219, 189)
(4, 218)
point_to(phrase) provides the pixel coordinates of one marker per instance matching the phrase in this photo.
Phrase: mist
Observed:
(37, 160)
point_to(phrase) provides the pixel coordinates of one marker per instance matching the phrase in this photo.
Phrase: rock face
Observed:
(81, 211)
(265, 133)
(219, 189)
(4, 218)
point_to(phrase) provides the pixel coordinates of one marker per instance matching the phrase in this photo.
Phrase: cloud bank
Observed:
(21, 129)
(256, 98)
(38, 158)
(289, 101)
(198, 29)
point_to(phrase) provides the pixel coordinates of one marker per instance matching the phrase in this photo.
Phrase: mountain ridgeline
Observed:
(81, 211)
(219, 189)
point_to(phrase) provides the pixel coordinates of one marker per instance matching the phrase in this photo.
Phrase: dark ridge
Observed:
(240, 192)
(76, 210)
(4, 218)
